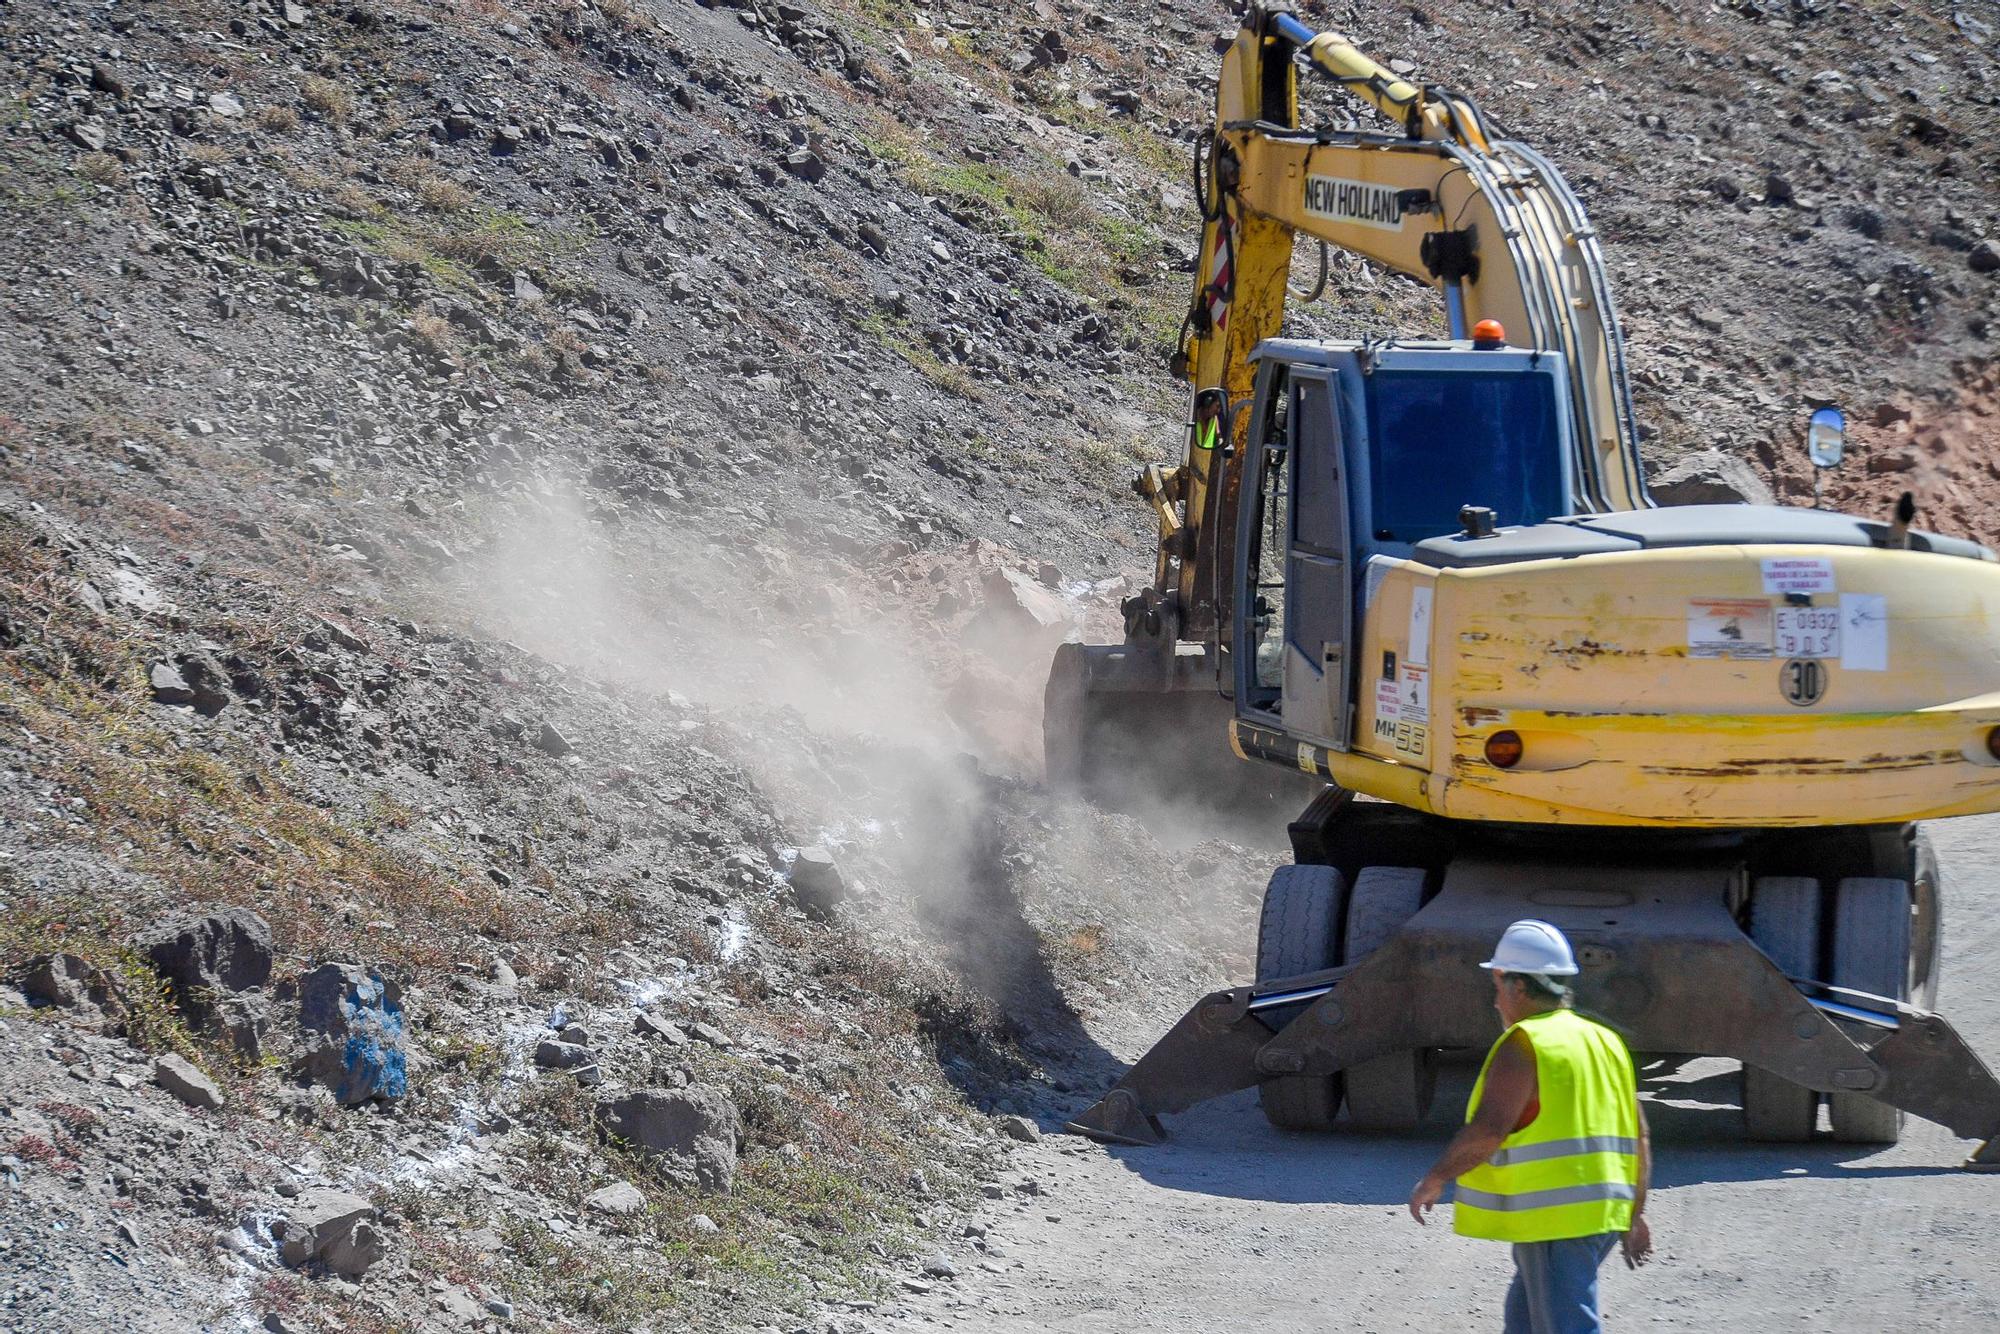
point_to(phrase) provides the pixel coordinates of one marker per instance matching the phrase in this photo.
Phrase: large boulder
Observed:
(69, 983)
(691, 1132)
(330, 1227)
(208, 951)
(817, 883)
(1710, 477)
(355, 1040)
(1019, 617)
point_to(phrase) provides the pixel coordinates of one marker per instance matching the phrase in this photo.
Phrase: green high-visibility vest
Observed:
(1206, 434)
(1572, 1171)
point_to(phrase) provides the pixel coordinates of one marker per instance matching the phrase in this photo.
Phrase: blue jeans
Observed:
(1555, 1285)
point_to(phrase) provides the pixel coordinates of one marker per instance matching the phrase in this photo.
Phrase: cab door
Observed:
(1319, 568)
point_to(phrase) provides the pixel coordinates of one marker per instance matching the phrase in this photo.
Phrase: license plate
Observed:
(1807, 632)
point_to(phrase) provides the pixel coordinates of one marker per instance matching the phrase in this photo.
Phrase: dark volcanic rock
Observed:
(210, 950)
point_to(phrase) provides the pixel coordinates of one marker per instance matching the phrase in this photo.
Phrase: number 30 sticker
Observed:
(1803, 681)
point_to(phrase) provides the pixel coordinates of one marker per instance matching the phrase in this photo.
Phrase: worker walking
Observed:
(1554, 1156)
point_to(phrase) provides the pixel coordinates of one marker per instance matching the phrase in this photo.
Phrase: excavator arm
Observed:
(1490, 225)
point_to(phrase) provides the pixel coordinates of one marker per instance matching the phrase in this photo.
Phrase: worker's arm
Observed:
(1510, 1085)
(1638, 1242)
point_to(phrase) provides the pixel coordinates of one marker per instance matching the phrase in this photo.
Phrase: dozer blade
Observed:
(1929, 1071)
(1210, 1052)
(1671, 971)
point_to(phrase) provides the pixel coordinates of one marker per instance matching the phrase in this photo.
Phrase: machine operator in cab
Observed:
(1208, 420)
(1554, 1156)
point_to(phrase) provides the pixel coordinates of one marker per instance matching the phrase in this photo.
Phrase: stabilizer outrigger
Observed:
(1664, 963)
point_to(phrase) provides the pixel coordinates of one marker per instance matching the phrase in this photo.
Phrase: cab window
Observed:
(1438, 442)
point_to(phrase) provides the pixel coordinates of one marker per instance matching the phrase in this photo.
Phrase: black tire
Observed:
(1785, 915)
(1926, 922)
(1871, 952)
(1391, 1092)
(1299, 933)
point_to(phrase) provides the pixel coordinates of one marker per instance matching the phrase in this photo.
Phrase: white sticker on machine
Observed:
(1864, 632)
(1414, 694)
(1729, 628)
(1417, 652)
(1363, 202)
(1798, 574)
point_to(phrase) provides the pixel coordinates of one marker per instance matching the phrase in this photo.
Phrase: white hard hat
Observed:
(1531, 946)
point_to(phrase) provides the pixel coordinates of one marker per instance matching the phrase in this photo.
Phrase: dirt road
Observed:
(1234, 1226)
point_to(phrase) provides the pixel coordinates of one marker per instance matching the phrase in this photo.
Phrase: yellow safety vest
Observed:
(1574, 1170)
(1206, 434)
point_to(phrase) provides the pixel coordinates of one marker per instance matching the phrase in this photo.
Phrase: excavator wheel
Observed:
(1299, 933)
(1871, 952)
(1785, 924)
(1390, 1093)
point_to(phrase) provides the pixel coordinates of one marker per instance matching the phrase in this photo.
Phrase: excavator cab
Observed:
(1352, 440)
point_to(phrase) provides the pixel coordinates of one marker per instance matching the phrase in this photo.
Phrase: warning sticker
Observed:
(1729, 628)
(1807, 632)
(1413, 693)
(1798, 574)
(1388, 710)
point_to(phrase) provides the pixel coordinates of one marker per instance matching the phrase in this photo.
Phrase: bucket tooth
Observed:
(1985, 1158)
(1211, 1051)
(1117, 1118)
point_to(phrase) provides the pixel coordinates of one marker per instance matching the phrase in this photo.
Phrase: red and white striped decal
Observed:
(1218, 304)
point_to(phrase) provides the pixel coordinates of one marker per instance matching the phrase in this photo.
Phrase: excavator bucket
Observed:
(1665, 964)
(1135, 729)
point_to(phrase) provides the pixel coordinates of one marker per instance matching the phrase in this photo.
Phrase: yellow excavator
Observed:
(1419, 585)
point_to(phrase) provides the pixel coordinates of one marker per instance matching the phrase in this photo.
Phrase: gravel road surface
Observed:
(1233, 1226)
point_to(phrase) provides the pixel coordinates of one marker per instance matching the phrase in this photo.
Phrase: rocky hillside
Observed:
(530, 537)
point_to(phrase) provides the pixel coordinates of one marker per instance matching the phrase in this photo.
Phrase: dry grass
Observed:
(436, 334)
(437, 194)
(327, 97)
(278, 120)
(201, 827)
(101, 169)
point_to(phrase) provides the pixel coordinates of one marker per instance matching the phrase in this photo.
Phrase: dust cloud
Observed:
(890, 712)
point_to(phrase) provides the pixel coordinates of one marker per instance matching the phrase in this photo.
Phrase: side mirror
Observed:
(1826, 437)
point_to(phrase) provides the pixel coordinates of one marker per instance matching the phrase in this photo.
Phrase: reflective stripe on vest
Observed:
(1573, 1171)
